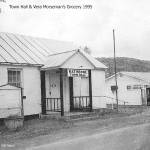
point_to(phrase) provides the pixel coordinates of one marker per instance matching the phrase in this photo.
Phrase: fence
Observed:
(53, 104)
(81, 103)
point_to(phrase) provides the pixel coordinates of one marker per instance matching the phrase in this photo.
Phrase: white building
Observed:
(42, 76)
(133, 88)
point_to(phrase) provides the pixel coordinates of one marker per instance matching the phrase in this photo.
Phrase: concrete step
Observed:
(82, 118)
(89, 116)
(76, 116)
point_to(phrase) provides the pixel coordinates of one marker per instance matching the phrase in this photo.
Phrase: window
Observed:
(129, 87)
(114, 88)
(134, 87)
(14, 77)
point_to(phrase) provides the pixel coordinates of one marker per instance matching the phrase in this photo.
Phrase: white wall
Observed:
(32, 90)
(31, 87)
(133, 97)
(98, 89)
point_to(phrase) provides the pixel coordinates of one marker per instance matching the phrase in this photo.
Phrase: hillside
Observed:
(125, 64)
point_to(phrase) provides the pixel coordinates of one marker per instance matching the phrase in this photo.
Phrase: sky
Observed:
(85, 27)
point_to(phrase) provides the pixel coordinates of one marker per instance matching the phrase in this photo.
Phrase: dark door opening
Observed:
(148, 96)
(71, 93)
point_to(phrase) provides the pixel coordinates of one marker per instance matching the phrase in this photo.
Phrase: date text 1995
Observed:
(87, 6)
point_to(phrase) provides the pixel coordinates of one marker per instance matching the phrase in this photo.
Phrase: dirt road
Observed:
(113, 128)
(130, 138)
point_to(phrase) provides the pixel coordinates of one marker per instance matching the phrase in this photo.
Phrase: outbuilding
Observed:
(133, 88)
(51, 76)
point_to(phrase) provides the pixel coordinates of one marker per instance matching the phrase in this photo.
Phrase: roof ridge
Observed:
(62, 52)
(36, 37)
(137, 77)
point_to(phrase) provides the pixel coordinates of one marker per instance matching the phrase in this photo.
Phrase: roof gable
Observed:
(73, 59)
(78, 61)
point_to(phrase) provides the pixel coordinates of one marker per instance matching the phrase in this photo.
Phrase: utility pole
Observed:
(115, 68)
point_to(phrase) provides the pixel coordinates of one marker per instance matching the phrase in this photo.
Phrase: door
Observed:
(54, 86)
(148, 96)
(53, 101)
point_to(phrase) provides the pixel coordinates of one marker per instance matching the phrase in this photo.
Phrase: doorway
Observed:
(71, 93)
(53, 100)
(79, 94)
(54, 86)
(148, 96)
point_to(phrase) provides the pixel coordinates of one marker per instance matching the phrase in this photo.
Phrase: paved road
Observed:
(130, 138)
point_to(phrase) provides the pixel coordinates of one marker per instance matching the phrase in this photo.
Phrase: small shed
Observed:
(133, 88)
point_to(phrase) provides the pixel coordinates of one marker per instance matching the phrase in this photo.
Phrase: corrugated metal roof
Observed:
(57, 60)
(144, 76)
(21, 49)
(140, 75)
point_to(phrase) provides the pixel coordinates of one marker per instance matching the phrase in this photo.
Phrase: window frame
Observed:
(16, 82)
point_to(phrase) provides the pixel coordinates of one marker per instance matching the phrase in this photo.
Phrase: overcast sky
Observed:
(129, 18)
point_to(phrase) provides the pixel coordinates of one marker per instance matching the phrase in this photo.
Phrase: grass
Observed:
(33, 128)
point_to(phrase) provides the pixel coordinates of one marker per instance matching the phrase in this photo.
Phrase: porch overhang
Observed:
(76, 59)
